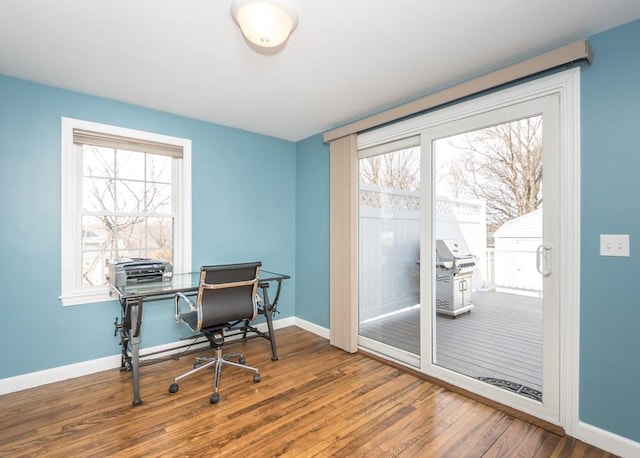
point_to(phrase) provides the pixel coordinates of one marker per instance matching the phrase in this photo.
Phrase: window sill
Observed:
(86, 298)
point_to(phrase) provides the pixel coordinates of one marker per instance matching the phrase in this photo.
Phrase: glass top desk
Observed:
(133, 297)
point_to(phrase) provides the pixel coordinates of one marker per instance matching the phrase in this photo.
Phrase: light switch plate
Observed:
(614, 244)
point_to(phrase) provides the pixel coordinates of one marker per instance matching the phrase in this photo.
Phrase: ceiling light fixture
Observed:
(265, 23)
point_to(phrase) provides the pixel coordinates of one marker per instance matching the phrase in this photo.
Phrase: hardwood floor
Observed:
(315, 401)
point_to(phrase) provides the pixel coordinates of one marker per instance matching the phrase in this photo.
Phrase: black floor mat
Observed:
(515, 387)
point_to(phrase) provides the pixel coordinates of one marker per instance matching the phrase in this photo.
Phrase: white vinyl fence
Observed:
(389, 244)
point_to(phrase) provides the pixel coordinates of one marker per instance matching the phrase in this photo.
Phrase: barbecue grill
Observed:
(454, 269)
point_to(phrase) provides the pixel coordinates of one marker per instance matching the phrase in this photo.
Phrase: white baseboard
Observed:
(312, 327)
(610, 442)
(58, 374)
(279, 324)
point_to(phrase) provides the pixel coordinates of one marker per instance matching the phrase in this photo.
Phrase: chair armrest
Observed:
(190, 303)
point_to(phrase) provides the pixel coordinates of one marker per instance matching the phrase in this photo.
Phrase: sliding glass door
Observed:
(466, 216)
(388, 250)
(492, 320)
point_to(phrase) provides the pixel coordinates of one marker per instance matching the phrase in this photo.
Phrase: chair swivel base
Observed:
(218, 361)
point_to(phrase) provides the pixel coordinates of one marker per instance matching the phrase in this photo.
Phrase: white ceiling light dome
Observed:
(265, 23)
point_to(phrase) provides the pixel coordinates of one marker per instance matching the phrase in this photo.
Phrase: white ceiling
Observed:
(347, 59)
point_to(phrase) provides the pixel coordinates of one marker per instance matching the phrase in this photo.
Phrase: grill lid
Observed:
(452, 250)
(454, 256)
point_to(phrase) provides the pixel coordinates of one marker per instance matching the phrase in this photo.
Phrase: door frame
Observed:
(567, 85)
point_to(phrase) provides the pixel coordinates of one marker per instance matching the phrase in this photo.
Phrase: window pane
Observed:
(95, 232)
(118, 229)
(489, 191)
(160, 233)
(94, 269)
(129, 196)
(159, 168)
(130, 165)
(98, 161)
(97, 195)
(158, 198)
(96, 243)
(131, 233)
(389, 249)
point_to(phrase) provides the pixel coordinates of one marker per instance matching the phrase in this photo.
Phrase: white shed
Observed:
(516, 242)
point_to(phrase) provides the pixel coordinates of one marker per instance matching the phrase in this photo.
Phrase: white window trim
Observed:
(71, 291)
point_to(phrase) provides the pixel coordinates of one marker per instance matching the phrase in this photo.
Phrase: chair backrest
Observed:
(227, 293)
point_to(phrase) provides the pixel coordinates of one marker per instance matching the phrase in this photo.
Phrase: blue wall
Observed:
(312, 231)
(610, 287)
(238, 215)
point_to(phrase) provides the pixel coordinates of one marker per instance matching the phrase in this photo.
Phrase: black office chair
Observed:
(227, 297)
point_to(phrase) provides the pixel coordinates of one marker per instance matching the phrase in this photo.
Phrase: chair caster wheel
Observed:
(242, 360)
(256, 378)
(215, 397)
(173, 388)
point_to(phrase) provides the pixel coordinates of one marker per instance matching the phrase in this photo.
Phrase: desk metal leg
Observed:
(136, 321)
(268, 314)
(129, 330)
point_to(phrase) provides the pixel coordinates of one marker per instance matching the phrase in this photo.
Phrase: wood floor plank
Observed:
(316, 401)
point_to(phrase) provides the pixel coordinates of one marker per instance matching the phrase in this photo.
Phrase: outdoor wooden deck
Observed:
(500, 339)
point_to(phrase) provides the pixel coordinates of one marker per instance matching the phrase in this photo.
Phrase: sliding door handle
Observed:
(543, 260)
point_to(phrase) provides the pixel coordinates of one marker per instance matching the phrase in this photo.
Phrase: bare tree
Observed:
(395, 170)
(501, 165)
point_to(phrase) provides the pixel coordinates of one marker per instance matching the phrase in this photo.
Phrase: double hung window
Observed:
(125, 194)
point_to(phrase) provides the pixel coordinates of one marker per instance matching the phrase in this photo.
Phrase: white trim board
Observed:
(605, 440)
(312, 328)
(58, 374)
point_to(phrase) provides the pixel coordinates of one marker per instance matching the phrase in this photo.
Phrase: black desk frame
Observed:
(132, 305)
